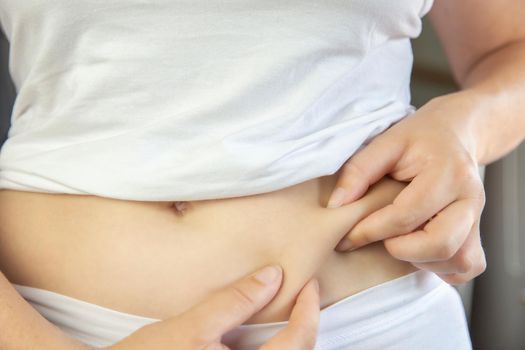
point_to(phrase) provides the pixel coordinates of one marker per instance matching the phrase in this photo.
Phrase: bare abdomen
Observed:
(145, 258)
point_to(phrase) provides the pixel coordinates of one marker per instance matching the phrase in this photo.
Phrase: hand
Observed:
(202, 326)
(434, 222)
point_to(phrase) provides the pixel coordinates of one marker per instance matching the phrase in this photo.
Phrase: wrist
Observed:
(462, 111)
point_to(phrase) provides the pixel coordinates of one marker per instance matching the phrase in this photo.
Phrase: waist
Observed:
(147, 259)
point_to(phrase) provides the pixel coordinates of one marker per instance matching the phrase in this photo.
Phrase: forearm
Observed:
(22, 327)
(493, 96)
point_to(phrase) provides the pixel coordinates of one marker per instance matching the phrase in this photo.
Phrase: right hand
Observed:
(202, 326)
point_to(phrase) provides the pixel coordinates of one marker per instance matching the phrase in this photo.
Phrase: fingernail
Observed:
(268, 274)
(345, 244)
(337, 198)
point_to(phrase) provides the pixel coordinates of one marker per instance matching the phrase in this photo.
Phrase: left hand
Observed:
(433, 150)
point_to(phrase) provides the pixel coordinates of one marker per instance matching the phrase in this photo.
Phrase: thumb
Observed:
(234, 304)
(302, 328)
(365, 168)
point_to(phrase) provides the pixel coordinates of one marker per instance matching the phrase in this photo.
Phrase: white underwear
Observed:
(413, 312)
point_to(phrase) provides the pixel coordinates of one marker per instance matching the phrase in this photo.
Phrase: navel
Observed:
(180, 207)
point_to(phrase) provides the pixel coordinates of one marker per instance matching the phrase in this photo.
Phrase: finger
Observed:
(233, 305)
(465, 259)
(365, 168)
(425, 195)
(301, 330)
(479, 266)
(440, 238)
(216, 346)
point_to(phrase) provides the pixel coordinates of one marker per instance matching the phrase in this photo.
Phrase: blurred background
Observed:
(495, 301)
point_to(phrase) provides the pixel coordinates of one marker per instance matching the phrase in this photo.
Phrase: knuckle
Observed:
(480, 198)
(428, 157)
(464, 169)
(446, 250)
(243, 299)
(472, 183)
(407, 221)
(464, 263)
(352, 166)
(481, 265)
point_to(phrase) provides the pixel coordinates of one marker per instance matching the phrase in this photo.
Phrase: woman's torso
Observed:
(145, 258)
(116, 99)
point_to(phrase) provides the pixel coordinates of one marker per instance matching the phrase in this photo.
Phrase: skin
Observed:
(202, 326)
(58, 242)
(434, 222)
(484, 121)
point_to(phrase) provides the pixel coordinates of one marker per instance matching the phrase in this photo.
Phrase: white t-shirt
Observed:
(199, 99)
